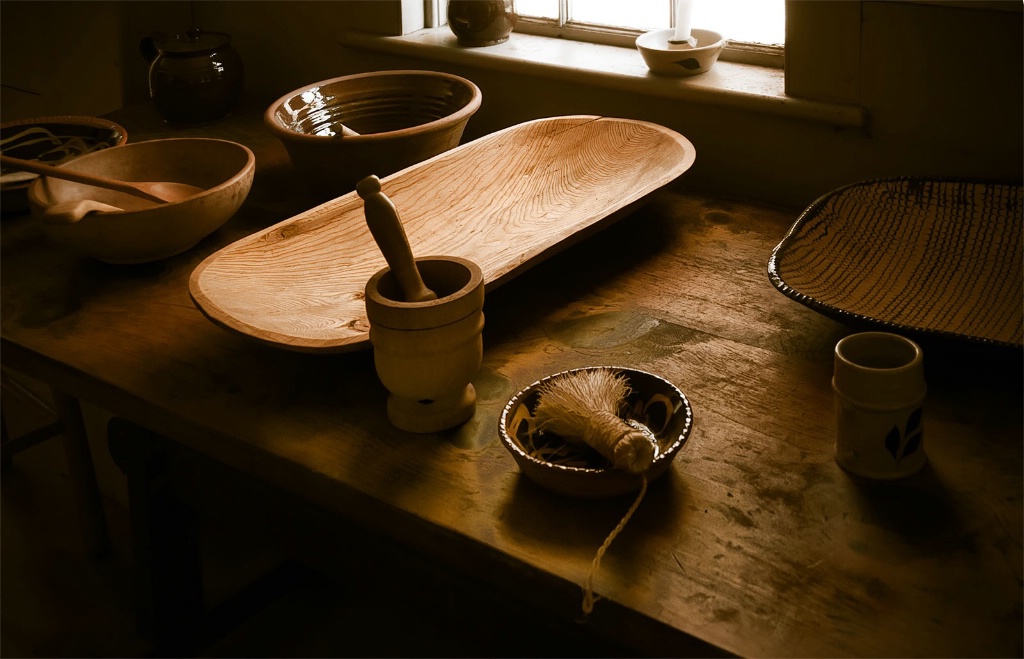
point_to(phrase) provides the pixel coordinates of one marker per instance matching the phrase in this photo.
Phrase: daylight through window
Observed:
(749, 21)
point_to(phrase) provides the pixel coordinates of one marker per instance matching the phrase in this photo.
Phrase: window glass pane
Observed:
(755, 21)
(636, 14)
(537, 8)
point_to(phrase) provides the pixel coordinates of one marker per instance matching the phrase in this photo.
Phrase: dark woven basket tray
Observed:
(931, 256)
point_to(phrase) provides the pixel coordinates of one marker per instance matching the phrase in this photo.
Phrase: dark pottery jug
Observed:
(481, 22)
(195, 78)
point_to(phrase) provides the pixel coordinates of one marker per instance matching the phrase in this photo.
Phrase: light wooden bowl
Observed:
(401, 117)
(145, 231)
(505, 201)
(653, 401)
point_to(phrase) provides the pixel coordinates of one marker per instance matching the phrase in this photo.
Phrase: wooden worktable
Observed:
(755, 542)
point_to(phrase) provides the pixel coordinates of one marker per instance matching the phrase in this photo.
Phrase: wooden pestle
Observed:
(386, 228)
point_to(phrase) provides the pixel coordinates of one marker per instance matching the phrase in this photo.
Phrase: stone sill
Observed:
(744, 87)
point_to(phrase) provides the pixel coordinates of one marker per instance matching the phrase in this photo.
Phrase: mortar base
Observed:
(432, 416)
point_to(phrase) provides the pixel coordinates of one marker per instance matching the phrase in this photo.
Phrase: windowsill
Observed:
(732, 85)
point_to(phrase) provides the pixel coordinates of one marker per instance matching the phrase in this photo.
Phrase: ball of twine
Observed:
(583, 406)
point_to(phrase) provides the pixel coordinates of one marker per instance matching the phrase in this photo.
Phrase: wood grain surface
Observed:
(505, 201)
(754, 543)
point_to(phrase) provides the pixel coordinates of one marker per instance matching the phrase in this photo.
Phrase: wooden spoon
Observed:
(386, 227)
(161, 192)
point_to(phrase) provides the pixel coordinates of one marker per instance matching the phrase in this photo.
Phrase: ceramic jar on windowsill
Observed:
(481, 22)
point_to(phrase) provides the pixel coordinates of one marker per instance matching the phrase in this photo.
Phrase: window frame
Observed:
(821, 57)
(735, 51)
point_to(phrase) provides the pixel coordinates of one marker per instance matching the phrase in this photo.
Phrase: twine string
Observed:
(588, 591)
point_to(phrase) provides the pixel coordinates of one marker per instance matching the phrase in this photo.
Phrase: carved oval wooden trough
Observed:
(505, 201)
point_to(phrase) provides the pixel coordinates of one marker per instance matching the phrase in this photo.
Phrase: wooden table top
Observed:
(754, 543)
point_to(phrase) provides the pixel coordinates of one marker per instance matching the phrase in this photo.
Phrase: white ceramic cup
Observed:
(879, 394)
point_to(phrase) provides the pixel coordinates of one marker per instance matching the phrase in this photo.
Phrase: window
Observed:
(820, 81)
(756, 28)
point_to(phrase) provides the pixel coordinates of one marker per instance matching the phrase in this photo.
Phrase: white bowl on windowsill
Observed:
(661, 58)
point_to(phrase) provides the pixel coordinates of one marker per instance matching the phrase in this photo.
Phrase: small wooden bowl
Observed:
(653, 401)
(144, 231)
(52, 141)
(342, 130)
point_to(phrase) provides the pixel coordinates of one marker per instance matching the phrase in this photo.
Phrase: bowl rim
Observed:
(71, 120)
(250, 164)
(663, 457)
(270, 116)
(718, 42)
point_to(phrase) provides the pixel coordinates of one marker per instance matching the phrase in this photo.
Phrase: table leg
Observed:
(82, 474)
(165, 538)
